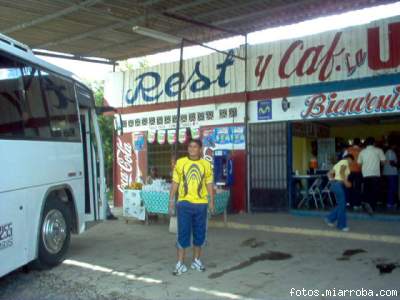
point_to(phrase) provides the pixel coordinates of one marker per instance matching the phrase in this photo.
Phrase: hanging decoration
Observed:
(183, 135)
(138, 141)
(151, 136)
(171, 136)
(195, 132)
(161, 136)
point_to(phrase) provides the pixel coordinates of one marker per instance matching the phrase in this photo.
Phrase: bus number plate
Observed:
(6, 236)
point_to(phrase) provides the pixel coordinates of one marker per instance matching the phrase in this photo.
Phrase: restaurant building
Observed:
(213, 109)
(306, 98)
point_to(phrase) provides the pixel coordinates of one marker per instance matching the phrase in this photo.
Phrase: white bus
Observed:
(52, 179)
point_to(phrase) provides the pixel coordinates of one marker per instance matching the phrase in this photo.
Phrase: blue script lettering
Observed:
(222, 67)
(173, 80)
(197, 82)
(202, 83)
(141, 89)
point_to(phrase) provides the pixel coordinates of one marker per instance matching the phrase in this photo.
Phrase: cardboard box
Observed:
(133, 205)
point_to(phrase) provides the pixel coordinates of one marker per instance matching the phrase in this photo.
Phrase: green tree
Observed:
(106, 125)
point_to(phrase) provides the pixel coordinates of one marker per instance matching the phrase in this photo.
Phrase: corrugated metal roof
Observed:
(103, 28)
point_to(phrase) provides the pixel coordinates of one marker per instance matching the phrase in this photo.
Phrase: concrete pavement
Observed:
(116, 260)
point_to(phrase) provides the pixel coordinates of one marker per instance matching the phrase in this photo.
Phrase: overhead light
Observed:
(157, 35)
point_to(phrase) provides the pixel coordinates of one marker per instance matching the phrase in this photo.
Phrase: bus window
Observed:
(38, 122)
(60, 98)
(12, 112)
(84, 97)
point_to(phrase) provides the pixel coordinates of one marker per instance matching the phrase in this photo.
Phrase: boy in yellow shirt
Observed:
(193, 180)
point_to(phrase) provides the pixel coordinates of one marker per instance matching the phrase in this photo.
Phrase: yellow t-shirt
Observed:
(336, 169)
(193, 177)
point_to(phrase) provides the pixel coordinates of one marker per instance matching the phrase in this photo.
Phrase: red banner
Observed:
(124, 166)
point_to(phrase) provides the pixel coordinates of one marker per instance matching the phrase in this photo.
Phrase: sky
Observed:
(98, 72)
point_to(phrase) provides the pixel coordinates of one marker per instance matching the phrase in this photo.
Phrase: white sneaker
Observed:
(180, 268)
(330, 224)
(345, 229)
(198, 265)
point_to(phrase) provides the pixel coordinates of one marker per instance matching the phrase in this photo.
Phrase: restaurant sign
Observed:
(362, 51)
(355, 52)
(363, 102)
(205, 76)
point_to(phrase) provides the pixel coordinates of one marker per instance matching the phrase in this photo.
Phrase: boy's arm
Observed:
(174, 188)
(172, 194)
(210, 190)
(210, 186)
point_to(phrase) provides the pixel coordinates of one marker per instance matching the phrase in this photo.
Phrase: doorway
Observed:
(269, 165)
(318, 145)
(89, 165)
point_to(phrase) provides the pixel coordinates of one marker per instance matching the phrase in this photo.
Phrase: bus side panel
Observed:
(13, 234)
(35, 207)
(29, 170)
(36, 163)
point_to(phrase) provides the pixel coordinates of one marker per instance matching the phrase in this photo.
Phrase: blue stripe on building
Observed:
(345, 85)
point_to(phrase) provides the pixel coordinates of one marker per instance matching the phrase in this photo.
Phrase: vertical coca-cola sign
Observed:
(124, 166)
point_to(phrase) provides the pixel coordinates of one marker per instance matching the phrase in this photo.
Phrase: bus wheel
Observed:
(54, 235)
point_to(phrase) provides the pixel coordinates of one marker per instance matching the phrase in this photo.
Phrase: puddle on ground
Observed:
(343, 258)
(252, 243)
(270, 255)
(386, 268)
(349, 253)
(211, 265)
(248, 242)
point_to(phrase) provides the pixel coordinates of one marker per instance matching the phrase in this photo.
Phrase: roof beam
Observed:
(264, 12)
(200, 17)
(127, 22)
(221, 21)
(75, 57)
(53, 16)
(201, 24)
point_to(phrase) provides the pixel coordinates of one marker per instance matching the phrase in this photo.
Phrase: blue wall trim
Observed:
(289, 162)
(345, 85)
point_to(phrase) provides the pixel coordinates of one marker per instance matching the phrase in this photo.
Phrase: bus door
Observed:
(89, 160)
(94, 175)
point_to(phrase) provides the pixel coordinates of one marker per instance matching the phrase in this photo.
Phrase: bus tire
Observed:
(54, 234)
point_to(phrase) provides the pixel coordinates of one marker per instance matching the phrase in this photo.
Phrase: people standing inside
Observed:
(172, 167)
(109, 214)
(339, 182)
(390, 171)
(342, 151)
(371, 159)
(193, 180)
(355, 177)
(153, 175)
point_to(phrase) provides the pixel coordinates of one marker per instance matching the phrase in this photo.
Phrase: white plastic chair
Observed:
(313, 193)
(327, 194)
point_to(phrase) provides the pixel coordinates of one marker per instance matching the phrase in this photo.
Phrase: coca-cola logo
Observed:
(125, 161)
(330, 105)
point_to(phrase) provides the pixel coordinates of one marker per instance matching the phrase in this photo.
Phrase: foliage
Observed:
(106, 126)
(106, 123)
(133, 64)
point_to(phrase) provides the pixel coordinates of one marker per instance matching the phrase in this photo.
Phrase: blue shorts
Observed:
(191, 218)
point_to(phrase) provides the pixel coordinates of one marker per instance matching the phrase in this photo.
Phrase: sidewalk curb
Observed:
(308, 232)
